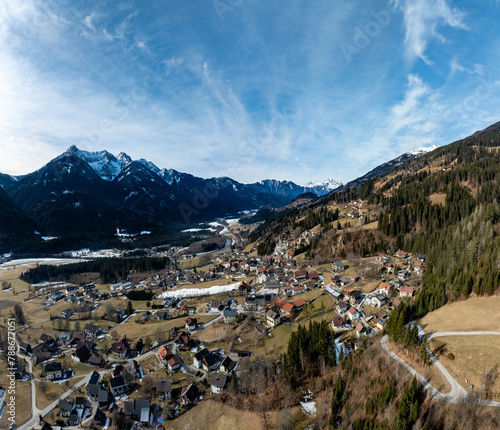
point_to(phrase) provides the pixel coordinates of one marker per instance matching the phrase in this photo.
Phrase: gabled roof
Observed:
(66, 406)
(190, 392)
(53, 366)
(94, 378)
(228, 364)
(117, 382)
(218, 380)
(163, 386)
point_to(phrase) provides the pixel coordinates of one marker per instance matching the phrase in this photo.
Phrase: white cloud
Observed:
(422, 19)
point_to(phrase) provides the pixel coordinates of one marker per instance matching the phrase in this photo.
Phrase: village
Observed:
(147, 351)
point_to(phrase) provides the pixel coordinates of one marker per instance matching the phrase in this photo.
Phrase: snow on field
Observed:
(309, 408)
(190, 230)
(32, 261)
(194, 292)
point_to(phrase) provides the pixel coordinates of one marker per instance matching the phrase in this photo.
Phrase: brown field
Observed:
(438, 199)
(370, 226)
(474, 355)
(214, 331)
(221, 417)
(54, 391)
(465, 315)
(22, 397)
(135, 330)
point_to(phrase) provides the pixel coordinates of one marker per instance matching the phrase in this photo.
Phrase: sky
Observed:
(250, 89)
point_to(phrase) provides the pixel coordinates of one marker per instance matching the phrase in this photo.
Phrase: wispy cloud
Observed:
(422, 20)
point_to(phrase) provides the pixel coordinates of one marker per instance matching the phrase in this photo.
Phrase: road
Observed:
(457, 393)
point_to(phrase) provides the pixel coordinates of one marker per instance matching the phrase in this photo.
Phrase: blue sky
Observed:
(251, 89)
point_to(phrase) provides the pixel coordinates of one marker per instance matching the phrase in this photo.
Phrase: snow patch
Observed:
(195, 292)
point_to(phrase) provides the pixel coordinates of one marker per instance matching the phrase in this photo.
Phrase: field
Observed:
(53, 391)
(474, 314)
(221, 417)
(438, 199)
(474, 355)
(22, 397)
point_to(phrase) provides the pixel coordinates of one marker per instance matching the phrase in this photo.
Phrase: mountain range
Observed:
(82, 192)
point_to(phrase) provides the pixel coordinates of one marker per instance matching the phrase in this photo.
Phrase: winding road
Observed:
(457, 393)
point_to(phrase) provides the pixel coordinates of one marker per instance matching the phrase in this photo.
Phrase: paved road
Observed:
(457, 393)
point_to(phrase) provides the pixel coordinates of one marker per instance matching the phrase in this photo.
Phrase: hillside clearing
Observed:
(474, 314)
(475, 357)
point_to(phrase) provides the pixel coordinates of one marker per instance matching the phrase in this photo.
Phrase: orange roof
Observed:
(164, 352)
(384, 286)
(299, 302)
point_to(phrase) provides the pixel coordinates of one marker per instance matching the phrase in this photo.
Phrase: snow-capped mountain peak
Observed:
(324, 187)
(422, 151)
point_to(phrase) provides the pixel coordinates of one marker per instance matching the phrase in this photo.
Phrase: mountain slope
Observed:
(385, 168)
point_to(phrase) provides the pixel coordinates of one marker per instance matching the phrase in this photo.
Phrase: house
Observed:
(335, 294)
(65, 408)
(338, 323)
(406, 291)
(67, 313)
(135, 369)
(183, 340)
(96, 361)
(164, 352)
(98, 394)
(138, 347)
(191, 323)
(300, 275)
(379, 300)
(299, 304)
(236, 354)
(343, 307)
(162, 315)
(71, 289)
(173, 363)
(383, 258)
(227, 365)
(214, 306)
(118, 385)
(355, 279)
(244, 288)
(382, 322)
(209, 362)
(229, 315)
(64, 339)
(353, 314)
(360, 330)
(94, 378)
(313, 276)
(44, 338)
(19, 371)
(384, 288)
(53, 370)
(198, 356)
(338, 266)
(401, 254)
(119, 350)
(138, 410)
(73, 419)
(273, 318)
(184, 310)
(82, 351)
(164, 389)
(189, 394)
(218, 382)
(284, 307)
(92, 330)
(99, 418)
(25, 348)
